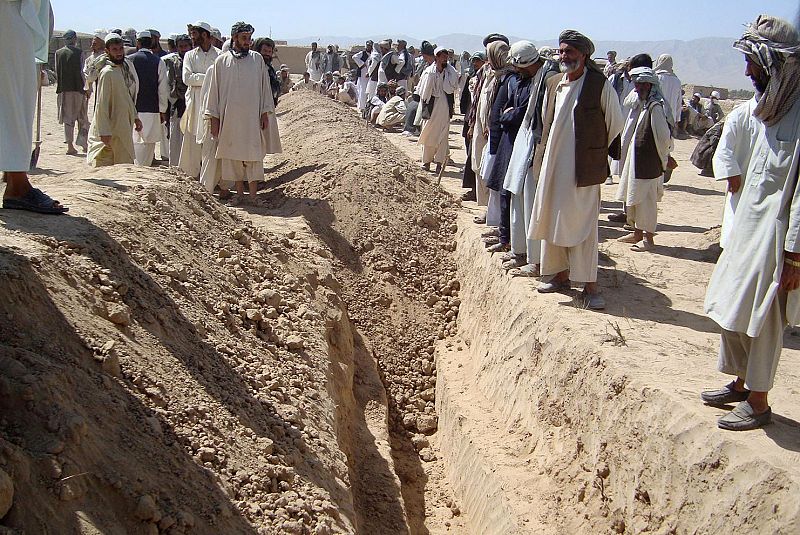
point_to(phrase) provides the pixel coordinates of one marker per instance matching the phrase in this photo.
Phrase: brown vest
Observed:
(648, 164)
(591, 136)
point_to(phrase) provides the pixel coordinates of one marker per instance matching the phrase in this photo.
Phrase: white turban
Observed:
(523, 54)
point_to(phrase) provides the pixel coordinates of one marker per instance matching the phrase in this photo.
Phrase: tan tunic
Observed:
(114, 116)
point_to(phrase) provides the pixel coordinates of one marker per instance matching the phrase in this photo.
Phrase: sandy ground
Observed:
(363, 246)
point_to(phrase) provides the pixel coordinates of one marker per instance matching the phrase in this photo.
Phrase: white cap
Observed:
(200, 24)
(715, 94)
(100, 34)
(112, 36)
(144, 34)
(523, 54)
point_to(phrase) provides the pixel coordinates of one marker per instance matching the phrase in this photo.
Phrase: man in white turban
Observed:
(752, 293)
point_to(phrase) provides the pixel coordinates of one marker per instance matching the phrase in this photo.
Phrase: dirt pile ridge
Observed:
(164, 368)
(390, 233)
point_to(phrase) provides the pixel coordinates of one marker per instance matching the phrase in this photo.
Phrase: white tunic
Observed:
(434, 85)
(314, 65)
(766, 222)
(671, 89)
(195, 64)
(562, 211)
(239, 93)
(732, 157)
(632, 190)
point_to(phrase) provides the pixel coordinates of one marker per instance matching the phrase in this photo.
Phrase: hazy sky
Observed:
(629, 20)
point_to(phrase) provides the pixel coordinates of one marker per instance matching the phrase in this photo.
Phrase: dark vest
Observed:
(146, 64)
(390, 69)
(591, 137)
(374, 76)
(364, 58)
(648, 163)
(408, 67)
(68, 69)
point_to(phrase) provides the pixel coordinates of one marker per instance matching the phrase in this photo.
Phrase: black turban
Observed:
(182, 37)
(240, 27)
(576, 39)
(427, 48)
(492, 37)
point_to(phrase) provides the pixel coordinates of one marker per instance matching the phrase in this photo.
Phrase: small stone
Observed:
(420, 442)
(6, 493)
(224, 253)
(111, 366)
(146, 509)
(253, 314)
(409, 421)
(119, 314)
(294, 343)
(427, 423)
(427, 455)
(207, 455)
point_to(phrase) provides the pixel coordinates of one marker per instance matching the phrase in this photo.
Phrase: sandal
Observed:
(499, 248)
(528, 270)
(515, 263)
(35, 201)
(479, 219)
(642, 246)
(629, 238)
(511, 255)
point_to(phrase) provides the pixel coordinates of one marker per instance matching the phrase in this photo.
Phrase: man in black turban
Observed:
(582, 44)
(241, 39)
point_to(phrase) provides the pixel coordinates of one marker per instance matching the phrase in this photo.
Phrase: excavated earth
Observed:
(343, 357)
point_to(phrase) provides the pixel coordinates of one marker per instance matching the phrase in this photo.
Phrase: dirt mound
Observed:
(390, 233)
(164, 369)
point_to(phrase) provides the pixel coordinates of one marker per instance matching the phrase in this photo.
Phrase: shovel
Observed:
(439, 177)
(38, 142)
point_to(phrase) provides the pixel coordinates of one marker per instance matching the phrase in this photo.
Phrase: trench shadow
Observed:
(54, 350)
(293, 174)
(179, 337)
(377, 499)
(784, 432)
(44, 171)
(320, 217)
(643, 302)
(107, 182)
(709, 255)
(694, 190)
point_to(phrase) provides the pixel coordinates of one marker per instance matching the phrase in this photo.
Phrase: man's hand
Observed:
(163, 117)
(790, 275)
(106, 140)
(214, 127)
(265, 119)
(734, 183)
(137, 124)
(507, 110)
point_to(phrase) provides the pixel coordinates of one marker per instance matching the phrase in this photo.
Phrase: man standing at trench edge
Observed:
(752, 293)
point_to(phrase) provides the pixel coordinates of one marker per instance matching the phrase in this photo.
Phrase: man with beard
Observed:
(314, 64)
(110, 140)
(242, 112)
(373, 65)
(285, 80)
(177, 95)
(331, 61)
(155, 44)
(404, 64)
(70, 93)
(523, 170)
(151, 101)
(438, 80)
(361, 59)
(98, 48)
(752, 293)
(195, 64)
(266, 47)
(582, 118)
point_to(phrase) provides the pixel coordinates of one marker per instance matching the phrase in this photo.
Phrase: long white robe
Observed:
(671, 89)
(363, 80)
(373, 63)
(766, 223)
(314, 65)
(641, 195)
(239, 93)
(563, 213)
(435, 131)
(479, 140)
(732, 157)
(195, 64)
(24, 34)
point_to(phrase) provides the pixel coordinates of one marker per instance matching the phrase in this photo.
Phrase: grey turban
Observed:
(578, 40)
(240, 27)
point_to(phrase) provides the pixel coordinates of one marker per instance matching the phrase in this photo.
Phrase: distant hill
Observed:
(705, 61)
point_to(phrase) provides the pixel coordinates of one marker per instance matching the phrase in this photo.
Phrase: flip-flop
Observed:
(514, 263)
(499, 248)
(511, 255)
(528, 270)
(35, 201)
(642, 246)
(630, 238)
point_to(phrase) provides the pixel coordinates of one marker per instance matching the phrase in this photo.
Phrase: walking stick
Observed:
(38, 142)
(439, 177)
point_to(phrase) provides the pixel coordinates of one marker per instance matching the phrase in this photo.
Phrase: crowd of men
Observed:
(543, 129)
(210, 111)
